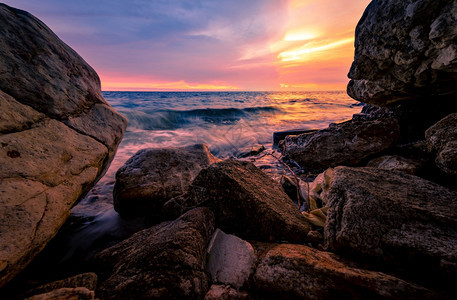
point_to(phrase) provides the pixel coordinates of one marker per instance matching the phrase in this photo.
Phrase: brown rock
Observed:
(49, 159)
(166, 261)
(315, 237)
(399, 220)
(404, 50)
(347, 143)
(79, 293)
(247, 202)
(298, 272)
(224, 292)
(85, 280)
(153, 176)
(442, 141)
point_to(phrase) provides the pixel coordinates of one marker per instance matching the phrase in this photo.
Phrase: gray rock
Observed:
(298, 272)
(348, 143)
(405, 50)
(166, 261)
(230, 259)
(247, 202)
(442, 140)
(396, 219)
(49, 160)
(153, 176)
(397, 163)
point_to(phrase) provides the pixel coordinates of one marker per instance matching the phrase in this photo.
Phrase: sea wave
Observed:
(174, 119)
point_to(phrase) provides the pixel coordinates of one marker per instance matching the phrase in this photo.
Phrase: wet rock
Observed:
(166, 261)
(86, 280)
(404, 50)
(298, 272)
(153, 176)
(279, 136)
(401, 221)
(442, 141)
(230, 259)
(247, 202)
(49, 159)
(348, 143)
(79, 293)
(224, 292)
(251, 151)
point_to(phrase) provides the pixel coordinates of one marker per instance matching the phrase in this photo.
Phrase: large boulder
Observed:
(405, 50)
(166, 261)
(153, 176)
(399, 220)
(442, 141)
(348, 143)
(246, 202)
(288, 271)
(57, 135)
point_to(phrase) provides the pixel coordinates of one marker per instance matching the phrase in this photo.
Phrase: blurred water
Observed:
(225, 121)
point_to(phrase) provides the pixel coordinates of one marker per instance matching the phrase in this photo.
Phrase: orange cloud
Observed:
(317, 46)
(313, 51)
(116, 84)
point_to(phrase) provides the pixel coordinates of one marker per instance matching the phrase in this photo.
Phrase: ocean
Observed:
(228, 122)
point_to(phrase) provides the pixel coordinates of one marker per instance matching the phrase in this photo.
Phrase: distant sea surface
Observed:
(228, 122)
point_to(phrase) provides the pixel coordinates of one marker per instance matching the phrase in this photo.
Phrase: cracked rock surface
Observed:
(396, 219)
(405, 50)
(57, 136)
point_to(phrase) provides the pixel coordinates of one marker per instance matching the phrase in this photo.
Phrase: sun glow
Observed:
(302, 53)
(300, 36)
(316, 49)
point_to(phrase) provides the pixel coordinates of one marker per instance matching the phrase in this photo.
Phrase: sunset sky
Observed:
(161, 45)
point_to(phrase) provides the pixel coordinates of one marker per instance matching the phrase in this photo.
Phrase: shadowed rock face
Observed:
(288, 271)
(166, 261)
(442, 141)
(247, 202)
(153, 176)
(405, 50)
(348, 143)
(400, 220)
(57, 135)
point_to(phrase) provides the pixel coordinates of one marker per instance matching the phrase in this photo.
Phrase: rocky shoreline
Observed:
(378, 220)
